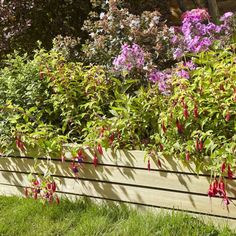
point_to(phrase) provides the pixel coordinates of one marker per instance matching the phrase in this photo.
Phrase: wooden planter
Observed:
(123, 177)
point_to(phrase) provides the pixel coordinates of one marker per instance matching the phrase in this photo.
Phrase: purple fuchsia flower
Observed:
(129, 58)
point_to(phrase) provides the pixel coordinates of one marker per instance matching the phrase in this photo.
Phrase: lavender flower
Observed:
(197, 35)
(162, 78)
(130, 57)
(183, 74)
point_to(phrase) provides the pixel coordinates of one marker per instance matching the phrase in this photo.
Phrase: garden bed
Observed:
(124, 177)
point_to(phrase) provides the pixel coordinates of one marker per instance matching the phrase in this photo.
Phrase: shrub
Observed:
(116, 26)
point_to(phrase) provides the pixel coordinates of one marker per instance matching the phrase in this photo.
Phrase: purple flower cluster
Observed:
(162, 78)
(197, 33)
(130, 57)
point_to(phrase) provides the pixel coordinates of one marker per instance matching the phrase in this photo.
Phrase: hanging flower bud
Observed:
(187, 156)
(161, 147)
(200, 145)
(186, 115)
(195, 111)
(159, 163)
(227, 117)
(49, 186)
(99, 148)
(215, 186)
(54, 186)
(41, 75)
(163, 127)
(179, 127)
(111, 139)
(149, 165)
(80, 153)
(95, 161)
(197, 145)
(223, 166)
(221, 188)
(210, 191)
(230, 173)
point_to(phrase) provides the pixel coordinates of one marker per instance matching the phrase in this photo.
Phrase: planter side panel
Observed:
(160, 188)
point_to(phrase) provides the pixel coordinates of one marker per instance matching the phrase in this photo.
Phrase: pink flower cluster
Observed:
(130, 57)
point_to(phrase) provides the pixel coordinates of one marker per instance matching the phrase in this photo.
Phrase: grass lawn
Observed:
(20, 216)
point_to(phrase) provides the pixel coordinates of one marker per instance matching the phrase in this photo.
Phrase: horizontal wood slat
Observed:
(133, 159)
(139, 177)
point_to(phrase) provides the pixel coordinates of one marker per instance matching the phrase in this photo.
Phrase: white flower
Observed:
(102, 15)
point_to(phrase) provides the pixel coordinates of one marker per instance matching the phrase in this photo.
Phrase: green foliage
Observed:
(204, 107)
(46, 101)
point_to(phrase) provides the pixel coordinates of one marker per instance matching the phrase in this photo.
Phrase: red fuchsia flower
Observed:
(186, 115)
(195, 111)
(187, 156)
(200, 145)
(230, 173)
(111, 139)
(227, 117)
(159, 163)
(95, 160)
(223, 166)
(99, 148)
(20, 144)
(221, 188)
(210, 191)
(215, 187)
(149, 165)
(54, 186)
(161, 147)
(197, 145)
(80, 153)
(163, 127)
(179, 127)
(49, 186)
